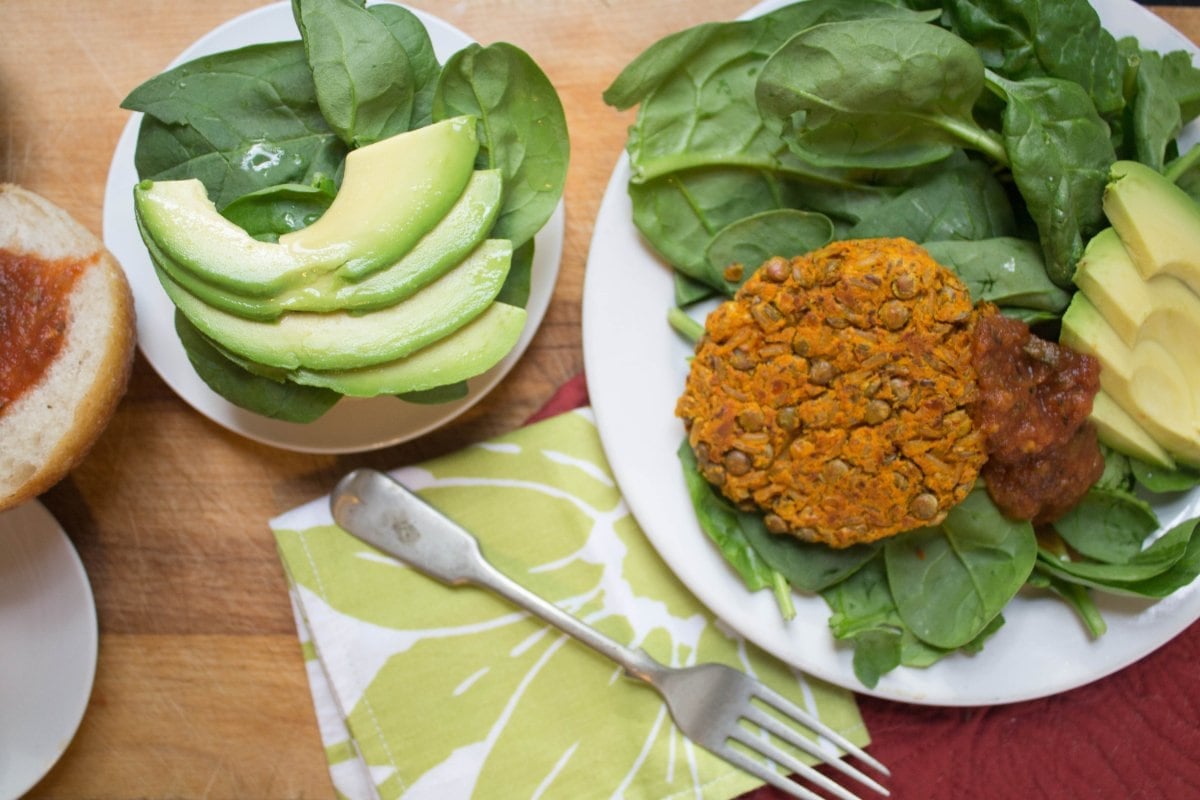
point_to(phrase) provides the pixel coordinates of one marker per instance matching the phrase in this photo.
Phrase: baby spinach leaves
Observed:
(238, 121)
(850, 99)
(1060, 39)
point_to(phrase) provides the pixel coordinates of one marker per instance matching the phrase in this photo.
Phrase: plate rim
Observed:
(167, 357)
(921, 686)
(33, 519)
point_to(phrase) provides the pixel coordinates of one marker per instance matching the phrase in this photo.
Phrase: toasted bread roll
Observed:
(67, 339)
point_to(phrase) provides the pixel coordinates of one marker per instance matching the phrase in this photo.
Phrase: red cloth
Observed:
(1132, 735)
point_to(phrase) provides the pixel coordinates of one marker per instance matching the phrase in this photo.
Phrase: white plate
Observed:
(47, 645)
(636, 368)
(354, 424)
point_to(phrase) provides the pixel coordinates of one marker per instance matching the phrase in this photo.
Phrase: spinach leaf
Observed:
(678, 214)
(422, 60)
(364, 82)
(864, 95)
(696, 90)
(1183, 78)
(1044, 38)
(951, 581)
(269, 213)
(1060, 152)
(807, 566)
(522, 130)
(238, 121)
(682, 49)
(517, 283)
(1108, 525)
(1005, 270)
(864, 612)
(723, 525)
(1076, 596)
(277, 399)
(785, 232)
(1155, 115)
(963, 200)
(1170, 563)
(438, 394)
(1160, 480)
(689, 291)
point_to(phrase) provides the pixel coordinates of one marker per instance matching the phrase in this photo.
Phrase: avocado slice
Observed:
(469, 351)
(1130, 302)
(393, 192)
(1148, 380)
(341, 340)
(1158, 223)
(465, 225)
(458, 233)
(1121, 432)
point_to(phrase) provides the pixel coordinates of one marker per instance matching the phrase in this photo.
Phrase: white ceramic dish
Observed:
(354, 424)
(636, 368)
(48, 643)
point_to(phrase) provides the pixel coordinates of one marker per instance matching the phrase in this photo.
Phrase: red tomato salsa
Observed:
(1034, 400)
(33, 318)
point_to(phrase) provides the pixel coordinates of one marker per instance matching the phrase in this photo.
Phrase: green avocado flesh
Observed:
(458, 233)
(340, 340)
(469, 351)
(452, 239)
(1148, 381)
(1122, 433)
(1138, 312)
(393, 193)
(1158, 222)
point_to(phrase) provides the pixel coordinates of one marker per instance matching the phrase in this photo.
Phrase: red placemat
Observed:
(1134, 734)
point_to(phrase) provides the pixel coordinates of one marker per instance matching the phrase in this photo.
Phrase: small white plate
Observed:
(636, 366)
(48, 642)
(354, 424)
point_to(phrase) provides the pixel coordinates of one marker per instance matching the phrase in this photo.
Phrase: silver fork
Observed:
(709, 702)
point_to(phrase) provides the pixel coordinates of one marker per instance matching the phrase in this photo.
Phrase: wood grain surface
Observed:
(200, 689)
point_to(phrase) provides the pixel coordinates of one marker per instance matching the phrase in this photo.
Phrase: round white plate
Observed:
(47, 645)
(636, 366)
(354, 424)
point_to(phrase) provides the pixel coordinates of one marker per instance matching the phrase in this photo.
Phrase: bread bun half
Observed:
(54, 408)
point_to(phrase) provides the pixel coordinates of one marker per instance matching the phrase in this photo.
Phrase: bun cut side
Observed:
(67, 339)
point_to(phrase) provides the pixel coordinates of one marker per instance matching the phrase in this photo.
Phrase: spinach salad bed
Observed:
(939, 122)
(267, 128)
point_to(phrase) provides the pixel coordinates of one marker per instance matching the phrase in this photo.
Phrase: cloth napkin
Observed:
(426, 691)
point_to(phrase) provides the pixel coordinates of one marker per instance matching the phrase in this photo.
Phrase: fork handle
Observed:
(384, 513)
(636, 663)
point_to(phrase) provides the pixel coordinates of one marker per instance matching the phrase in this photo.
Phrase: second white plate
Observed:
(48, 645)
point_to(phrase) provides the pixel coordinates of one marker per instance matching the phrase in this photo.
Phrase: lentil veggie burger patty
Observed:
(831, 393)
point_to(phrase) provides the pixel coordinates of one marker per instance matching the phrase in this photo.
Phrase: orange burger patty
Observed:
(831, 393)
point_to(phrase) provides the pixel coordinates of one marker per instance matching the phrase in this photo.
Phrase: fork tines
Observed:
(761, 745)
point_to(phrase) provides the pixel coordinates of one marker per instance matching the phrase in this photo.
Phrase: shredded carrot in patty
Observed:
(831, 393)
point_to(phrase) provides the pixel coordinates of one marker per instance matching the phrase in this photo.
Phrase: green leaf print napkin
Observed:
(426, 691)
